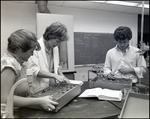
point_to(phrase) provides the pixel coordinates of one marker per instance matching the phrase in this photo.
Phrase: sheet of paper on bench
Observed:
(103, 94)
(76, 82)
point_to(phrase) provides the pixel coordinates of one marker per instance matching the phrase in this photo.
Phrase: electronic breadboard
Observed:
(115, 84)
(61, 93)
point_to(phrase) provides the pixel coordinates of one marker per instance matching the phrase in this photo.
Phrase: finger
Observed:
(51, 97)
(54, 103)
(59, 80)
(120, 70)
(51, 107)
(110, 77)
(48, 109)
(63, 79)
(67, 80)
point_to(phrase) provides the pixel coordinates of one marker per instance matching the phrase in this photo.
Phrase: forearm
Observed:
(25, 101)
(45, 74)
(139, 71)
(132, 71)
(107, 64)
(37, 103)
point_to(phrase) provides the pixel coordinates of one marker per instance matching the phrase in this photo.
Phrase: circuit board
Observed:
(115, 84)
(61, 93)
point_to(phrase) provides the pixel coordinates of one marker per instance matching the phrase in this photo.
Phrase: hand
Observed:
(47, 103)
(126, 70)
(66, 80)
(62, 79)
(110, 76)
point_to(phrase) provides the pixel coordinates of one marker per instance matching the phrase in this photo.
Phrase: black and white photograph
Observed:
(74, 59)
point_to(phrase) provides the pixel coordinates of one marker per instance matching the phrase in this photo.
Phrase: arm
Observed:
(33, 63)
(57, 69)
(44, 102)
(137, 70)
(125, 70)
(141, 66)
(41, 102)
(107, 65)
(44, 74)
(7, 82)
(60, 73)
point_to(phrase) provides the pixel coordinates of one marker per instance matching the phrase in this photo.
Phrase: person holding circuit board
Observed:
(21, 45)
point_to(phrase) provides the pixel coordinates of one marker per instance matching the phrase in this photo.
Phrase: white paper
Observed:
(76, 82)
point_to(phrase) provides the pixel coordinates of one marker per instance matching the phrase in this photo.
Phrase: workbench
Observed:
(77, 108)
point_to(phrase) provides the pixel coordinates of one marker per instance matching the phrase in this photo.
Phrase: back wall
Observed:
(16, 15)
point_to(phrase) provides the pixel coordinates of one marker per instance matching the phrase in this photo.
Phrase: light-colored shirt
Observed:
(20, 72)
(116, 59)
(41, 60)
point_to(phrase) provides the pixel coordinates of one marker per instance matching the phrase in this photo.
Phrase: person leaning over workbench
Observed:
(42, 62)
(124, 61)
(21, 45)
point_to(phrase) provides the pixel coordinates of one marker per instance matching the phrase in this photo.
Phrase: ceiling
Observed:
(99, 6)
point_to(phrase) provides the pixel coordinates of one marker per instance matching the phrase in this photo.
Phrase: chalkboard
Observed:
(91, 48)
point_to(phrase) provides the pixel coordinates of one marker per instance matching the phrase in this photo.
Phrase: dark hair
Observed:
(56, 31)
(122, 33)
(22, 39)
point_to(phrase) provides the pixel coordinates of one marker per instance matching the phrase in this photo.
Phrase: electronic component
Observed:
(115, 84)
(61, 93)
(98, 68)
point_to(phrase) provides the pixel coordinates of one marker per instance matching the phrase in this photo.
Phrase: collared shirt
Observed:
(115, 59)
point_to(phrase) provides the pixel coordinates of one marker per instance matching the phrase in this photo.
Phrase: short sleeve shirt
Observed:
(20, 71)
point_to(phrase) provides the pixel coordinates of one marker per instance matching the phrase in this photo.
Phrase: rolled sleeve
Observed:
(140, 71)
(141, 67)
(107, 65)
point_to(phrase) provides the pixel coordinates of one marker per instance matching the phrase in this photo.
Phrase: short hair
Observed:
(122, 33)
(56, 31)
(22, 39)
